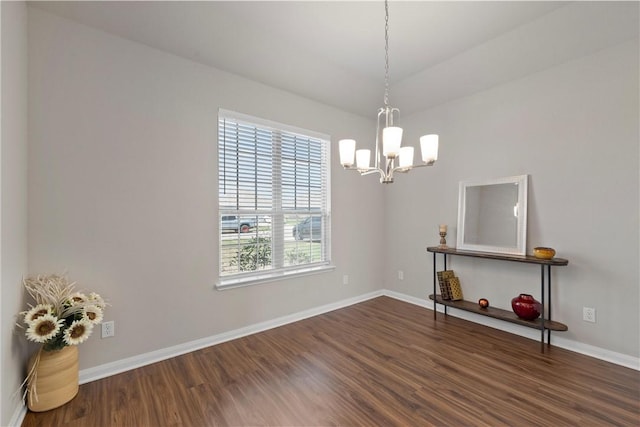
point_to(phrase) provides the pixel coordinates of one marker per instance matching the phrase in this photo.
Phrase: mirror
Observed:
(492, 215)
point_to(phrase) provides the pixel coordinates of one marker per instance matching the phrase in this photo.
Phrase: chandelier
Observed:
(388, 137)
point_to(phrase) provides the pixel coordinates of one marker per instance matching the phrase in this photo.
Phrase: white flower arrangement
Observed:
(61, 316)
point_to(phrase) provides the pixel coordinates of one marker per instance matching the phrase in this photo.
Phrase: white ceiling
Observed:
(333, 51)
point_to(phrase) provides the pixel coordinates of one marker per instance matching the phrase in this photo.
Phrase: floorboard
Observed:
(380, 362)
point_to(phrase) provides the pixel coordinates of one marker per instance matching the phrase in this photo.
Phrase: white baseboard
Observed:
(123, 365)
(556, 339)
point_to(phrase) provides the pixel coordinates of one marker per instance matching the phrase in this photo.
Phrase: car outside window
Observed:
(237, 224)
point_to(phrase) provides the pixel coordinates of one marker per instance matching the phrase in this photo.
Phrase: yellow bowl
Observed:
(544, 253)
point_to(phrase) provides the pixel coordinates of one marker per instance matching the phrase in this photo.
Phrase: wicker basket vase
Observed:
(56, 378)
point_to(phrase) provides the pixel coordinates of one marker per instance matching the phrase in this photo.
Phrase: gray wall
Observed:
(13, 200)
(574, 129)
(123, 189)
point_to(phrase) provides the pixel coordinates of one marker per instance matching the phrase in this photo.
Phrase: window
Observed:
(273, 200)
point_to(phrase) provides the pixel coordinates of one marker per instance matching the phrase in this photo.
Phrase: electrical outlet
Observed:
(589, 314)
(400, 275)
(108, 329)
(345, 279)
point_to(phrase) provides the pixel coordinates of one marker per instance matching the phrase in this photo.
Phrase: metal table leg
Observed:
(445, 267)
(542, 307)
(549, 303)
(434, 287)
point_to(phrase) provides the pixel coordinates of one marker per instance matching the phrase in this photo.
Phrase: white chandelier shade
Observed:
(406, 157)
(363, 159)
(391, 140)
(429, 148)
(347, 152)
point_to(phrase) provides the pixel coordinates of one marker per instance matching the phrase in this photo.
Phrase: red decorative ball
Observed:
(526, 307)
(483, 303)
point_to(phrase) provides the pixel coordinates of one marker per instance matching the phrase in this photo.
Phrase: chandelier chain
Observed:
(386, 53)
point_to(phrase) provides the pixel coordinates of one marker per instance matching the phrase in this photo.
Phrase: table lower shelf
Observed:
(498, 313)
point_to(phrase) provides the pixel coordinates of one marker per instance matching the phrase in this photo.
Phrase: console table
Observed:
(541, 323)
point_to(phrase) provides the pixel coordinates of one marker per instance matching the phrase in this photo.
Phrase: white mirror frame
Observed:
(521, 222)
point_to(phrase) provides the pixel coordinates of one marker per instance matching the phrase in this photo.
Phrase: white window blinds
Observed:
(273, 197)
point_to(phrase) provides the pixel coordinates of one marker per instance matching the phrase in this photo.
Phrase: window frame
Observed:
(280, 272)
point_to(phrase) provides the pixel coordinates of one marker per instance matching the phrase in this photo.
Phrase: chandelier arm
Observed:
(406, 169)
(363, 172)
(378, 158)
(397, 112)
(388, 174)
(371, 172)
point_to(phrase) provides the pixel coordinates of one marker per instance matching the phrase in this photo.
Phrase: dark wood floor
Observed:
(381, 362)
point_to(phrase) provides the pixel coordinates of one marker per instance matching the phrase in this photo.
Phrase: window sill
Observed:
(224, 284)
